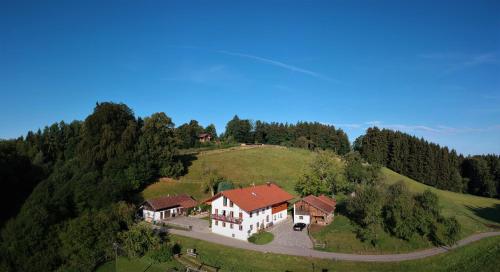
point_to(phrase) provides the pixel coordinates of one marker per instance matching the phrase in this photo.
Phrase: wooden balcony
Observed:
(229, 219)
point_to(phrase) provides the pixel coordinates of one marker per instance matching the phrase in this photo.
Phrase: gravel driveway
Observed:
(284, 235)
(199, 225)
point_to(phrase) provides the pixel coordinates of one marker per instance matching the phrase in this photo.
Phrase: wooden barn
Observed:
(314, 210)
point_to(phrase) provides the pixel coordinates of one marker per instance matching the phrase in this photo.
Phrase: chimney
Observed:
(268, 183)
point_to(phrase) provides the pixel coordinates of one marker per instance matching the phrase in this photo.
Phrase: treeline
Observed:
(309, 135)
(81, 174)
(430, 163)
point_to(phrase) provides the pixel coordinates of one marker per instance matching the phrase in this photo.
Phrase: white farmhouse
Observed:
(239, 213)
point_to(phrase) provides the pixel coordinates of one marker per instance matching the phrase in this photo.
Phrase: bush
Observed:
(399, 212)
(163, 254)
(369, 234)
(261, 238)
(140, 239)
(446, 231)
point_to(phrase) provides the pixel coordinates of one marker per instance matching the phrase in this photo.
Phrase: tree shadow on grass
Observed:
(489, 213)
(187, 161)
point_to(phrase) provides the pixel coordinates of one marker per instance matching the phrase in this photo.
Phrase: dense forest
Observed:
(309, 135)
(80, 174)
(430, 163)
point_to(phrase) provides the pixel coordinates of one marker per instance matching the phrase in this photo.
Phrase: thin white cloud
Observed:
(372, 123)
(473, 61)
(460, 61)
(418, 128)
(278, 64)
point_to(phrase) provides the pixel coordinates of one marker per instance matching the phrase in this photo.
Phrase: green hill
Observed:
(284, 166)
(242, 165)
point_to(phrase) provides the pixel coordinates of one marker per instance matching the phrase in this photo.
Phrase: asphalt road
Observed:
(283, 248)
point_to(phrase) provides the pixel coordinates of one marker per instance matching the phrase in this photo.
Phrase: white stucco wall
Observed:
(235, 232)
(299, 218)
(156, 216)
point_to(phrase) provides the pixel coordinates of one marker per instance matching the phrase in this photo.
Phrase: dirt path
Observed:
(306, 252)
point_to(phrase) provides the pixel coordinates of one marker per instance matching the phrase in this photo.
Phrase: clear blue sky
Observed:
(429, 68)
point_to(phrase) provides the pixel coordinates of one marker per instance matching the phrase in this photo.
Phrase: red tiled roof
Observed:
(255, 197)
(328, 200)
(322, 202)
(165, 202)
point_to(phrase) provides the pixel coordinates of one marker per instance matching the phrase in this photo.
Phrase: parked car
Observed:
(299, 226)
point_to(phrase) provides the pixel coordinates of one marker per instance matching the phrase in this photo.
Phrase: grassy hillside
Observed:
(474, 213)
(282, 166)
(285, 165)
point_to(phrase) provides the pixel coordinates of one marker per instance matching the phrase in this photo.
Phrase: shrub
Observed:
(399, 212)
(261, 238)
(446, 231)
(163, 254)
(139, 239)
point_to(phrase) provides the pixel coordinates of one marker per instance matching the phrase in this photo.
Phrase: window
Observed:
(223, 224)
(251, 214)
(257, 212)
(224, 200)
(216, 222)
(230, 203)
(301, 217)
(241, 227)
(267, 218)
(231, 213)
(257, 225)
(231, 226)
(274, 217)
(223, 212)
(241, 215)
(251, 227)
(216, 211)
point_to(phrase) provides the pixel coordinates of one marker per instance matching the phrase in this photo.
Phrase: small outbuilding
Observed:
(204, 137)
(314, 210)
(168, 206)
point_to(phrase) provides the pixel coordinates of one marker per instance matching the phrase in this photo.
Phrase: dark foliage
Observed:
(18, 176)
(401, 214)
(70, 219)
(308, 135)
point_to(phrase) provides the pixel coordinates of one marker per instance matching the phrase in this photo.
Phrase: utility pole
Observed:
(115, 246)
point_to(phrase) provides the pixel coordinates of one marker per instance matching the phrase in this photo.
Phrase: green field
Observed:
(479, 256)
(284, 166)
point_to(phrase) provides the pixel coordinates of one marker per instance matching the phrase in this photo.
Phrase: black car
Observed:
(299, 226)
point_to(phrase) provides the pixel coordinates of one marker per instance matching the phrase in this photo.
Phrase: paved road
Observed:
(281, 248)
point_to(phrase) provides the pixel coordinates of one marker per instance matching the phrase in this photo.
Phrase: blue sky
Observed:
(429, 68)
